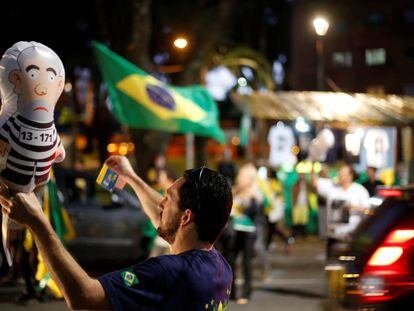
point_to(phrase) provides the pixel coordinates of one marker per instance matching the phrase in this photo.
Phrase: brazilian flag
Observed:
(141, 101)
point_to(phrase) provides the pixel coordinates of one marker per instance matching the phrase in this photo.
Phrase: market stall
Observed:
(372, 123)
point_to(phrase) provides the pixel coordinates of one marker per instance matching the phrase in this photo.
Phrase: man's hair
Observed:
(211, 206)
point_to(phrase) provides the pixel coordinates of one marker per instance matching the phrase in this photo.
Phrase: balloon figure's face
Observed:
(38, 86)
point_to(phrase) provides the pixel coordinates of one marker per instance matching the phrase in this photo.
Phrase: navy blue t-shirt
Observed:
(193, 280)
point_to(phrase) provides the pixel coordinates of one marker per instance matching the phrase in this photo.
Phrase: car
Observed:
(108, 225)
(377, 266)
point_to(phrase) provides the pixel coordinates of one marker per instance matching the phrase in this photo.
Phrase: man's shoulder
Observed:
(204, 258)
(181, 261)
(202, 262)
(366, 183)
(164, 261)
(359, 189)
(357, 186)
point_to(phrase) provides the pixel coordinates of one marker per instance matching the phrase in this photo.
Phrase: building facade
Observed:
(368, 48)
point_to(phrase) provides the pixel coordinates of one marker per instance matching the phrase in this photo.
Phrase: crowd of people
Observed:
(261, 204)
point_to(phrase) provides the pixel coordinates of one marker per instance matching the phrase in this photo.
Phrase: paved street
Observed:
(297, 282)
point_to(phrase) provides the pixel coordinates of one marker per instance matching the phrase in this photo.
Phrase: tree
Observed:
(208, 19)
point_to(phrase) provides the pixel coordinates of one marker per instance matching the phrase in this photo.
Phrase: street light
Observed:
(180, 43)
(321, 26)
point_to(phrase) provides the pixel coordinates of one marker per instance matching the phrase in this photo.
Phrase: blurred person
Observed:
(26, 262)
(158, 164)
(227, 167)
(248, 223)
(346, 203)
(322, 214)
(165, 178)
(262, 221)
(300, 206)
(276, 215)
(190, 218)
(372, 181)
(23, 268)
(274, 207)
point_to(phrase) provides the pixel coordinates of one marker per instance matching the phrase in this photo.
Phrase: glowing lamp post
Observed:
(321, 26)
(180, 43)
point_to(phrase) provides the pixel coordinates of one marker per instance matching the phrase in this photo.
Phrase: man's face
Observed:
(170, 213)
(246, 176)
(371, 174)
(344, 176)
(38, 86)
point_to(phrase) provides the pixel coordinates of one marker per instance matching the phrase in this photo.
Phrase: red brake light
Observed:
(385, 256)
(390, 193)
(392, 248)
(385, 275)
(399, 236)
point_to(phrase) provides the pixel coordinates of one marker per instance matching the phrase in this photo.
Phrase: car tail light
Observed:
(390, 192)
(399, 236)
(388, 272)
(385, 256)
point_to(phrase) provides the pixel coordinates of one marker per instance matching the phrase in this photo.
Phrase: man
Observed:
(190, 218)
(346, 203)
(372, 182)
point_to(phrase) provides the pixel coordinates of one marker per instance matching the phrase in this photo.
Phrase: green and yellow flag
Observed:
(141, 101)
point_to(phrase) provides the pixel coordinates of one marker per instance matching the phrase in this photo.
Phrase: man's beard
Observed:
(169, 233)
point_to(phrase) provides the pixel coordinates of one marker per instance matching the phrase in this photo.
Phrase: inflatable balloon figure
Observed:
(32, 78)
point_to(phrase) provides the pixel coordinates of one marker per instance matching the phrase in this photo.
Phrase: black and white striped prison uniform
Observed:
(33, 148)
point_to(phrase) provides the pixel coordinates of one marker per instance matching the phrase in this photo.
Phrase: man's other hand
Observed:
(23, 208)
(4, 148)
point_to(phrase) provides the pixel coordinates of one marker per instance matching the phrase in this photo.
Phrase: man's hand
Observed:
(358, 209)
(60, 154)
(121, 166)
(24, 208)
(78, 288)
(4, 148)
(149, 198)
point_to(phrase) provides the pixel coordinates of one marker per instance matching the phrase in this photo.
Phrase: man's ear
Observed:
(16, 79)
(187, 218)
(61, 84)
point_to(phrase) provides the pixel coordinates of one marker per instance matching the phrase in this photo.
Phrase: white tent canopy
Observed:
(351, 108)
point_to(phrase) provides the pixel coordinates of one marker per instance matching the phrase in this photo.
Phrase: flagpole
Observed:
(189, 151)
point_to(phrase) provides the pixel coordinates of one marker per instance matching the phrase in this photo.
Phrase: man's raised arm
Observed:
(149, 198)
(79, 289)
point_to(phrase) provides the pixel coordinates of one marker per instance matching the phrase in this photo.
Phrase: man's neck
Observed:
(346, 186)
(185, 241)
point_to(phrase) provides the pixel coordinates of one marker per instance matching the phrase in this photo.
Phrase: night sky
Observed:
(68, 27)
